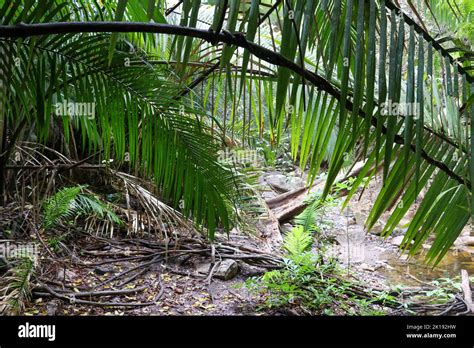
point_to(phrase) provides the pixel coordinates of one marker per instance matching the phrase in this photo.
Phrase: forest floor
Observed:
(184, 291)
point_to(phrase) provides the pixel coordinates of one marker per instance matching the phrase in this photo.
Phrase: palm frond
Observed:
(151, 213)
(15, 287)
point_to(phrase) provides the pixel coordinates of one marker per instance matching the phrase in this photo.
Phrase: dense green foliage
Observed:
(164, 105)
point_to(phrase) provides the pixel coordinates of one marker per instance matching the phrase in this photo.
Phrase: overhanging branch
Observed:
(238, 39)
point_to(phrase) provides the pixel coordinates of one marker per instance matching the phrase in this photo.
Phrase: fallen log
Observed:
(295, 206)
(288, 205)
(281, 199)
(272, 232)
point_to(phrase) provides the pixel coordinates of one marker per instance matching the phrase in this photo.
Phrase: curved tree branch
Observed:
(238, 39)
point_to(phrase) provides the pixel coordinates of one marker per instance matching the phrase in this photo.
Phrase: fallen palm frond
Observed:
(43, 169)
(149, 212)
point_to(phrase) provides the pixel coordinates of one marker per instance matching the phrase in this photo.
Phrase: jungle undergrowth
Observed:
(309, 283)
(312, 283)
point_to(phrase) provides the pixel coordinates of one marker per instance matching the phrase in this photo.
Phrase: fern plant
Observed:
(297, 241)
(307, 219)
(314, 211)
(69, 202)
(59, 206)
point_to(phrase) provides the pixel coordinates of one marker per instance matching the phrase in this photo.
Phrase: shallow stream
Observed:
(399, 270)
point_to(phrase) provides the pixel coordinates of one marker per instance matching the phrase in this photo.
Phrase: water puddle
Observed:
(407, 272)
